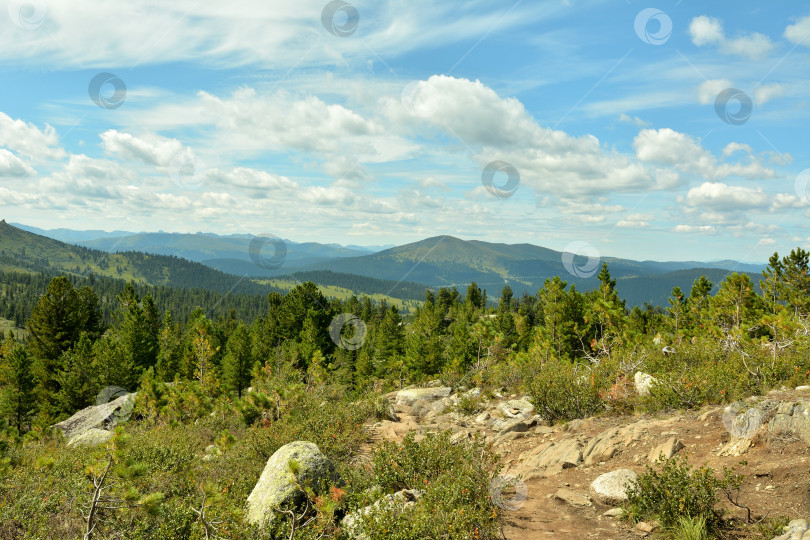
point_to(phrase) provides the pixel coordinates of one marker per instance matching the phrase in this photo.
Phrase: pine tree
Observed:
(77, 378)
(17, 399)
(56, 324)
(238, 361)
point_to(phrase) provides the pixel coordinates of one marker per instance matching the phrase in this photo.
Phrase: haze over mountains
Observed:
(442, 261)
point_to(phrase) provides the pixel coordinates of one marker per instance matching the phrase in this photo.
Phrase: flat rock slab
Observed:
(409, 396)
(572, 497)
(666, 449)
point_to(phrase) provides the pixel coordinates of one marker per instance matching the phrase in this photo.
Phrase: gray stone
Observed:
(97, 416)
(791, 419)
(797, 529)
(644, 383)
(516, 408)
(611, 488)
(91, 437)
(409, 396)
(278, 486)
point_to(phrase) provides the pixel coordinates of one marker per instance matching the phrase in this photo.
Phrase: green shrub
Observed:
(563, 390)
(679, 492)
(454, 477)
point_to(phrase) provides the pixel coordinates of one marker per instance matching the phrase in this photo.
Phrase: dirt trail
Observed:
(777, 470)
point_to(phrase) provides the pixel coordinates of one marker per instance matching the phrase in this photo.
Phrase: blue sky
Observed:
(257, 117)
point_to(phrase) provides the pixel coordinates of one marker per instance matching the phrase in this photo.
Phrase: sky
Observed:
(667, 131)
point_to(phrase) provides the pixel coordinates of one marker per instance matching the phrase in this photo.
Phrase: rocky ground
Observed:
(557, 465)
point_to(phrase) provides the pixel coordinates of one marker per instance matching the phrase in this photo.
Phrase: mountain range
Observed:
(441, 261)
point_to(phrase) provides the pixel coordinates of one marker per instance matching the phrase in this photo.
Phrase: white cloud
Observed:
(766, 92)
(151, 150)
(13, 167)
(685, 153)
(724, 197)
(633, 120)
(705, 229)
(256, 32)
(732, 147)
(709, 31)
(707, 90)
(636, 221)
(29, 140)
(799, 32)
(705, 30)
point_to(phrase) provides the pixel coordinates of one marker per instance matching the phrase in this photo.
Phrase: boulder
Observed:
(798, 529)
(98, 416)
(400, 501)
(792, 419)
(409, 396)
(280, 488)
(611, 488)
(91, 437)
(516, 408)
(666, 449)
(644, 382)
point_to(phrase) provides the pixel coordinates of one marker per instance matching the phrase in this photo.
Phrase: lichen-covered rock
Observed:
(798, 529)
(91, 437)
(280, 483)
(611, 488)
(791, 419)
(644, 383)
(97, 416)
(409, 396)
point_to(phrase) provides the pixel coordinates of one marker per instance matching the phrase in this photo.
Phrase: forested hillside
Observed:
(305, 367)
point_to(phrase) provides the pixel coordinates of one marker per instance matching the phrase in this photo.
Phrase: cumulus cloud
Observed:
(799, 32)
(706, 30)
(636, 221)
(685, 153)
(150, 150)
(28, 140)
(724, 197)
(707, 90)
(705, 229)
(13, 167)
